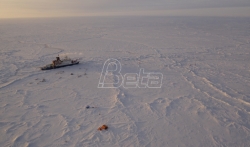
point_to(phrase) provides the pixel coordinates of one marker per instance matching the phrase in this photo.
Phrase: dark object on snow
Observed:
(58, 63)
(87, 107)
(103, 127)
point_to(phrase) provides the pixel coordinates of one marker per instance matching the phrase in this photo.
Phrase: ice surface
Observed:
(204, 99)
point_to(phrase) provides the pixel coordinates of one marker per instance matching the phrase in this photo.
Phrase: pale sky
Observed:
(64, 8)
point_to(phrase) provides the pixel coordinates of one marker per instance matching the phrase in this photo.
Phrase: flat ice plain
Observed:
(204, 99)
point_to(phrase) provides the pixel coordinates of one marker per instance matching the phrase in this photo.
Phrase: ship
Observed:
(58, 63)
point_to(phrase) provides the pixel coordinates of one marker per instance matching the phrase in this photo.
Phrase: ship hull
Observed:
(51, 67)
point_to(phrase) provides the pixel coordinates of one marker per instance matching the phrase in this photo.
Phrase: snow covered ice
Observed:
(204, 99)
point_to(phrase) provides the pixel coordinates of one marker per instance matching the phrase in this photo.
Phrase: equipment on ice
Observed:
(58, 63)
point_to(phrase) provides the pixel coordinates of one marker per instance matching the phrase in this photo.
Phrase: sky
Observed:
(65, 8)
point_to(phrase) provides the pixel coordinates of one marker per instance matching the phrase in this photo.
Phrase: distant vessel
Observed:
(58, 63)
